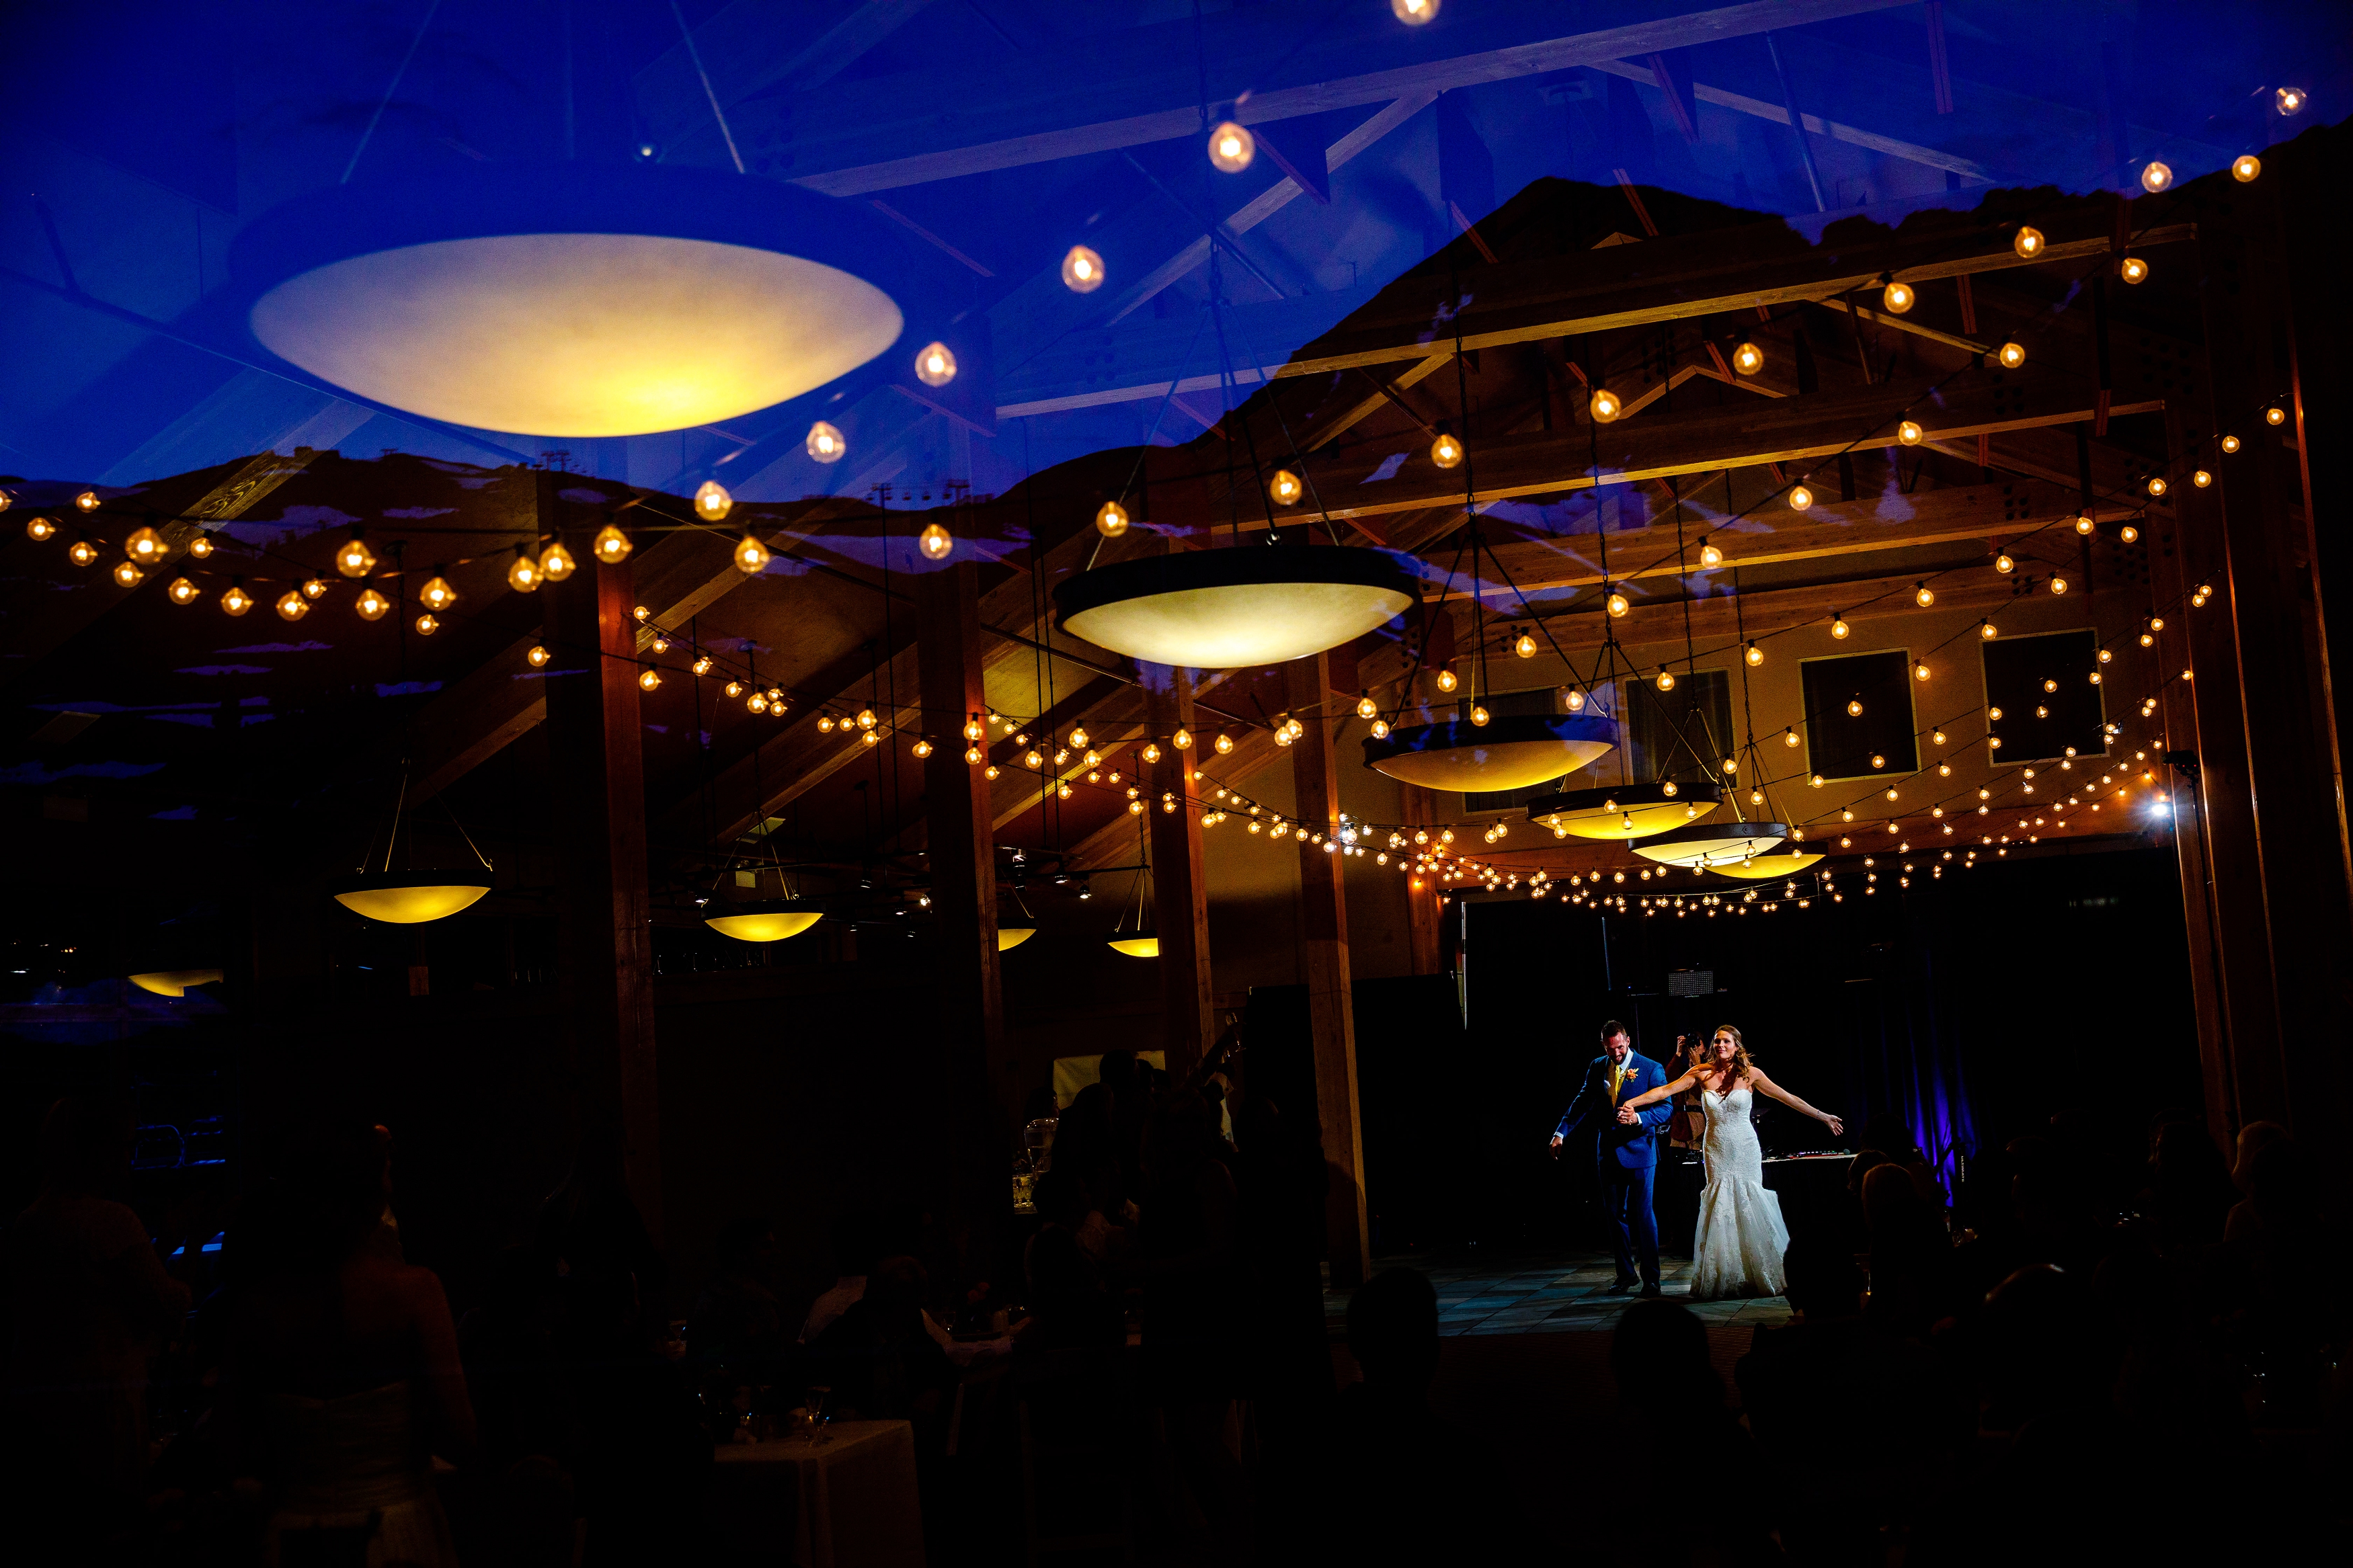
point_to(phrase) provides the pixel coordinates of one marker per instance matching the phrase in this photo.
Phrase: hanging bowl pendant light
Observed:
(1787, 860)
(572, 299)
(412, 898)
(1625, 812)
(1711, 846)
(175, 982)
(1010, 937)
(1233, 608)
(1137, 944)
(1512, 751)
(762, 920)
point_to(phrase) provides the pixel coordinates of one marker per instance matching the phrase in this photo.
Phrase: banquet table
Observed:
(851, 1502)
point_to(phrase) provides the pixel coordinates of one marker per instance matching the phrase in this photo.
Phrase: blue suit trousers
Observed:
(1626, 1194)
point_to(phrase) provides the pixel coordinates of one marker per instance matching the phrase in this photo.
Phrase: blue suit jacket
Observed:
(1632, 1147)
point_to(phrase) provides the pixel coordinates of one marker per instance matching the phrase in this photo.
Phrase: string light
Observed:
(826, 443)
(1618, 603)
(1447, 680)
(1445, 451)
(712, 502)
(611, 545)
(182, 591)
(2083, 524)
(2201, 478)
(39, 528)
(538, 655)
(2028, 242)
(1525, 648)
(292, 605)
(426, 624)
(702, 665)
(1753, 654)
(1606, 405)
(313, 588)
(752, 557)
(1666, 679)
(236, 601)
(1182, 740)
(1986, 630)
(145, 546)
(1709, 555)
(2155, 176)
(1414, 13)
(128, 575)
(523, 573)
(1082, 271)
(921, 748)
(1231, 148)
(2057, 584)
(1110, 520)
(2246, 167)
(1285, 487)
(2129, 534)
(1898, 297)
(2002, 562)
(1789, 736)
(1920, 671)
(81, 553)
(1854, 708)
(1748, 359)
(2230, 443)
(2275, 415)
(436, 594)
(1909, 432)
(1839, 629)
(1922, 596)
(1575, 698)
(1225, 744)
(86, 500)
(2013, 356)
(1800, 498)
(352, 557)
(2291, 99)
(934, 542)
(935, 365)
(371, 605)
(555, 562)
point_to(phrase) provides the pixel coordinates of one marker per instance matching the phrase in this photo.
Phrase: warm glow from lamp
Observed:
(183, 592)
(175, 982)
(413, 900)
(2013, 356)
(1606, 405)
(1748, 359)
(611, 545)
(1285, 487)
(127, 575)
(1800, 498)
(1445, 451)
(1082, 271)
(1231, 148)
(2246, 167)
(371, 605)
(763, 925)
(1909, 432)
(236, 601)
(935, 365)
(712, 502)
(145, 546)
(825, 443)
(39, 528)
(2028, 242)
(751, 556)
(436, 594)
(1110, 520)
(1010, 937)
(1898, 297)
(1145, 946)
(2134, 270)
(934, 542)
(292, 605)
(523, 572)
(2155, 176)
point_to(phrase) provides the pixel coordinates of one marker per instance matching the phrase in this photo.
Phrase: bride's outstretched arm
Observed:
(1664, 1091)
(1767, 1086)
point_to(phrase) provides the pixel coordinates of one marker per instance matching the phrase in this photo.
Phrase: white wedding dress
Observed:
(1738, 1248)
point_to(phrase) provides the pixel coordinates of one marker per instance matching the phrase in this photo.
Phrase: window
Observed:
(1839, 742)
(2037, 723)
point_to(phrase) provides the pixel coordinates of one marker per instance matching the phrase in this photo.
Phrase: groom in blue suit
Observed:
(1625, 1157)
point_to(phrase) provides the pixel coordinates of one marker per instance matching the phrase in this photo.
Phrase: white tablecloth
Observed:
(854, 1500)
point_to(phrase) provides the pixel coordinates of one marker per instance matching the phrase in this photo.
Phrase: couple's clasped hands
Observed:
(1627, 1116)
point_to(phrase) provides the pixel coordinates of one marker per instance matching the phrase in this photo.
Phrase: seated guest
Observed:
(513, 1367)
(2189, 1193)
(89, 1301)
(738, 1321)
(1671, 1400)
(1069, 1305)
(344, 1366)
(853, 1254)
(2253, 1139)
(878, 1356)
(1912, 1267)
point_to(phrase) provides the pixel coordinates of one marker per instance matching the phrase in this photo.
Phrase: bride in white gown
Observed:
(1738, 1248)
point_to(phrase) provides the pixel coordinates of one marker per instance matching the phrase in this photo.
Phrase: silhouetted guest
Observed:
(1671, 1400)
(2253, 1139)
(1280, 1175)
(1397, 1483)
(2190, 1192)
(1185, 1261)
(592, 1226)
(1912, 1270)
(1085, 1145)
(1129, 1084)
(90, 1300)
(738, 1321)
(1070, 1305)
(514, 1373)
(878, 1356)
(344, 1365)
(854, 1255)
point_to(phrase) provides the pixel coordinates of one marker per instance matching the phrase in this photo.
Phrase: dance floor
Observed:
(1533, 1293)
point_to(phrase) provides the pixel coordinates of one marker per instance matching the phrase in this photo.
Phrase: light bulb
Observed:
(1082, 271)
(127, 575)
(1151, 752)
(555, 562)
(758, 703)
(611, 545)
(1285, 487)
(2133, 270)
(825, 443)
(2155, 176)
(2291, 99)
(2129, 534)
(354, 558)
(702, 665)
(712, 502)
(1380, 729)
(991, 771)
(1748, 359)
(934, 542)
(2246, 167)
(866, 720)
(1445, 451)
(751, 556)
(1079, 736)
(436, 594)
(1478, 715)
(935, 365)
(921, 748)
(523, 573)
(1182, 740)
(2083, 524)
(1986, 630)
(426, 624)
(81, 553)
(1920, 671)
(86, 500)
(1666, 680)
(1110, 520)
(1605, 405)
(2013, 356)
(1709, 555)
(1413, 13)
(2275, 415)
(1575, 699)
(2057, 584)
(1994, 715)
(1225, 744)
(182, 591)
(236, 601)
(144, 546)
(661, 643)
(292, 605)
(2230, 443)
(39, 528)
(371, 605)
(2002, 562)
(972, 755)
(1839, 629)
(313, 588)
(538, 655)
(1446, 680)
(1525, 648)
(1854, 708)
(1909, 432)
(1922, 596)
(1619, 604)
(2028, 242)
(1789, 736)
(1938, 737)
(1231, 148)
(1898, 297)
(1367, 707)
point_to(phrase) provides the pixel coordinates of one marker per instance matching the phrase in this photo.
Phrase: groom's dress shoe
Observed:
(1620, 1288)
(1653, 1290)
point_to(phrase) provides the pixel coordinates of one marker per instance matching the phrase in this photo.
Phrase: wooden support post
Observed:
(594, 733)
(1324, 961)
(1423, 915)
(1180, 895)
(962, 857)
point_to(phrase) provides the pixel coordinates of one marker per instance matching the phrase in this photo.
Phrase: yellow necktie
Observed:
(1616, 1078)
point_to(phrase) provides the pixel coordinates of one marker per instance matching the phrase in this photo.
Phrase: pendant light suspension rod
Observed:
(1299, 460)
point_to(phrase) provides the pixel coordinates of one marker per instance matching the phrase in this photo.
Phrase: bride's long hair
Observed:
(1741, 1064)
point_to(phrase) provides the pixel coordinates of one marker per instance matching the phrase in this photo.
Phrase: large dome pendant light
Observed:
(412, 897)
(1749, 851)
(759, 920)
(1144, 940)
(1625, 812)
(1242, 605)
(1710, 847)
(1786, 860)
